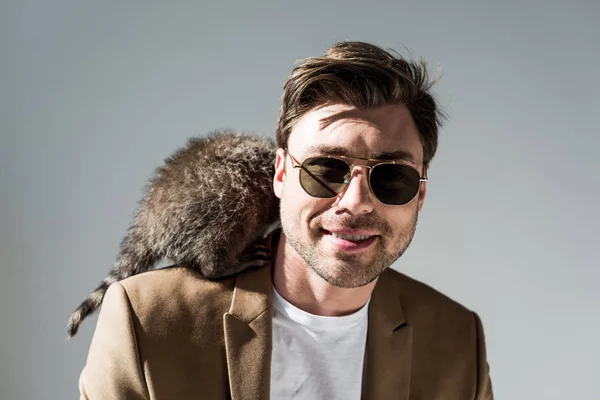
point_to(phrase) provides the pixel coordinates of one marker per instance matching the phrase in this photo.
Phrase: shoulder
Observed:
(175, 294)
(422, 303)
(162, 332)
(448, 339)
(172, 283)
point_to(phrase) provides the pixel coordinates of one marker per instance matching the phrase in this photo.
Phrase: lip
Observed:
(340, 244)
(358, 232)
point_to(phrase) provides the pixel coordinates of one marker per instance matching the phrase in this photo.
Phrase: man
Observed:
(327, 318)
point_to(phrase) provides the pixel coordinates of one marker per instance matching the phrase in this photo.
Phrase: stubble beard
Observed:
(346, 270)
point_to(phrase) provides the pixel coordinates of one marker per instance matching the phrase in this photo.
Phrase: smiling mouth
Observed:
(351, 238)
(350, 241)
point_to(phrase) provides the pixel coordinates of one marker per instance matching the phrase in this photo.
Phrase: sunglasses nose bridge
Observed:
(350, 174)
(360, 169)
(357, 195)
(353, 167)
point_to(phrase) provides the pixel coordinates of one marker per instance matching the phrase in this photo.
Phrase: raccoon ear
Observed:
(279, 176)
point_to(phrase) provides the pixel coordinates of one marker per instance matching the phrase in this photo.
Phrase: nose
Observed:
(357, 197)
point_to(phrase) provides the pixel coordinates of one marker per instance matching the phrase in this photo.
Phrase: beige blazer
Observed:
(172, 334)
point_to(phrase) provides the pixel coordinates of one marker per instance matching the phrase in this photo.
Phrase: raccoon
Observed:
(205, 208)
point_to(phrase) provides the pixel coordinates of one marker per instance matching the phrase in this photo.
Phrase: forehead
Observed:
(357, 132)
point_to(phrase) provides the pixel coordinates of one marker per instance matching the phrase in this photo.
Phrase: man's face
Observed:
(348, 240)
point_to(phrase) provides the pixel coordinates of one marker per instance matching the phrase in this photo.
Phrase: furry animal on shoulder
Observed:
(204, 208)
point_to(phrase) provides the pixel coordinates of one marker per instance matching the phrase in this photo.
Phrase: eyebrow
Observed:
(378, 155)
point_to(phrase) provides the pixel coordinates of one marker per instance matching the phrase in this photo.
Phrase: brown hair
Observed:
(362, 75)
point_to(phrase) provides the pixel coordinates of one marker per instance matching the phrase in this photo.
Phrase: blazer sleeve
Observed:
(484, 382)
(113, 369)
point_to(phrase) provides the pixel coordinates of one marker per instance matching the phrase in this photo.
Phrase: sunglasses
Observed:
(327, 176)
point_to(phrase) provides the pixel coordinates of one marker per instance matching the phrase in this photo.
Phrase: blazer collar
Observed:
(248, 333)
(389, 343)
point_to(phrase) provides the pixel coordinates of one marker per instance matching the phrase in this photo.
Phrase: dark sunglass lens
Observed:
(394, 183)
(324, 177)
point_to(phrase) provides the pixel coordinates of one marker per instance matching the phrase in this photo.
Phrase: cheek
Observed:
(402, 219)
(299, 206)
(292, 200)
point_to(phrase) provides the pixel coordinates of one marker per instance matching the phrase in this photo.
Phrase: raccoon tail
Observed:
(88, 306)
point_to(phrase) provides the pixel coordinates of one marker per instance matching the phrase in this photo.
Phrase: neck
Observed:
(296, 282)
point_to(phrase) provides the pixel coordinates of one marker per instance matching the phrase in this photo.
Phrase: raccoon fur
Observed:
(204, 209)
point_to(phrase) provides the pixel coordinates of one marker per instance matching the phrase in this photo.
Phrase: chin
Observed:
(346, 274)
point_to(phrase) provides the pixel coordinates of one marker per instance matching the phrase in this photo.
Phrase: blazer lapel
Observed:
(389, 345)
(248, 326)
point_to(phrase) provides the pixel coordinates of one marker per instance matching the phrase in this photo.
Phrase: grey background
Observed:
(94, 95)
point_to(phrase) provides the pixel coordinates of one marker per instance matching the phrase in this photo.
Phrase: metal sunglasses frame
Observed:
(352, 165)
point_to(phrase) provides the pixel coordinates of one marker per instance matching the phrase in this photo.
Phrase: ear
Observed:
(422, 191)
(421, 196)
(279, 177)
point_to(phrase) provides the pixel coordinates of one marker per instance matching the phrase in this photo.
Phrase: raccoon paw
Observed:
(255, 256)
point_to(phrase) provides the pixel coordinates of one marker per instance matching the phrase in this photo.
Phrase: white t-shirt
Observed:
(316, 357)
